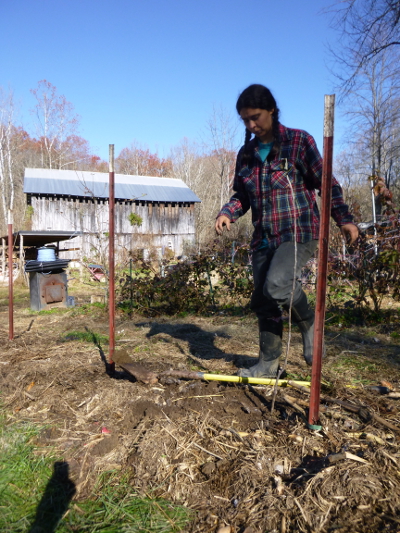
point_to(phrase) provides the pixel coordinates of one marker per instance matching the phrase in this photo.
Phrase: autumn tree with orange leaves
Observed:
(138, 161)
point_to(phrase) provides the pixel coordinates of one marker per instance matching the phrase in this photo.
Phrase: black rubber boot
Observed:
(303, 316)
(270, 351)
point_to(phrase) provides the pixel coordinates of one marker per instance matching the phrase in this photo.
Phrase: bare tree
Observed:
(190, 165)
(57, 147)
(373, 110)
(350, 172)
(7, 152)
(198, 170)
(222, 147)
(367, 28)
(56, 123)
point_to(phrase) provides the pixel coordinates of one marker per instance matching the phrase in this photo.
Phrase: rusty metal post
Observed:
(326, 197)
(111, 267)
(10, 277)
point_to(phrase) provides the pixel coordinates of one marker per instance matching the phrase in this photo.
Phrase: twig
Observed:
(283, 524)
(299, 387)
(204, 396)
(29, 396)
(349, 351)
(389, 457)
(221, 498)
(301, 510)
(234, 432)
(303, 447)
(292, 402)
(385, 422)
(334, 458)
(207, 451)
(323, 409)
(229, 446)
(363, 412)
(390, 518)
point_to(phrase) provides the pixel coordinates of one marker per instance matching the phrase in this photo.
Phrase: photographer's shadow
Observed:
(55, 501)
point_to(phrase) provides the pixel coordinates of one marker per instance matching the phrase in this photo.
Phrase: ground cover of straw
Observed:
(211, 447)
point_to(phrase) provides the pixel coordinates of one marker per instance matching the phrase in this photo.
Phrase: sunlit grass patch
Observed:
(36, 494)
(92, 309)
(355, 363)
(297, 376)
(114, 508)
(86, 336)
(23, 476)
(52, 311)
(357, 369)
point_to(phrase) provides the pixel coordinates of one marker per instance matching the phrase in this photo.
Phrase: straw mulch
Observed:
(216, 448)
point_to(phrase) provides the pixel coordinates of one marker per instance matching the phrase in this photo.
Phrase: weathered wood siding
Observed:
(169, 225)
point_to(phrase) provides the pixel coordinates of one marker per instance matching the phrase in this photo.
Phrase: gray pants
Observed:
(273, 272)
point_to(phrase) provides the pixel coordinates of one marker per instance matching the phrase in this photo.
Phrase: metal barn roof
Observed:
(95, 184)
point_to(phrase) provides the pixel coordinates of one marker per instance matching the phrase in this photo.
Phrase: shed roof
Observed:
(95, 184)
(40, 238)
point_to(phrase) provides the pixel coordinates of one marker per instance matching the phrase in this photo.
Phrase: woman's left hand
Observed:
(350, 233)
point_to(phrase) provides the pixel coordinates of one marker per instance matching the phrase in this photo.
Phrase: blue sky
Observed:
(152, 70)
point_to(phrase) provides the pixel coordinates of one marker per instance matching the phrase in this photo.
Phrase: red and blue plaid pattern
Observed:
(281, 192)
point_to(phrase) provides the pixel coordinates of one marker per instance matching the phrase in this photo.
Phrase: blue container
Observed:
(46, 254)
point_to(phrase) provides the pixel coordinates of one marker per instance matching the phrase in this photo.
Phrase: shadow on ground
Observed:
(55, 501)
(201, 342)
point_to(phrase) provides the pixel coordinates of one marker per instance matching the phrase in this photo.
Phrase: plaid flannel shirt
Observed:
(266, 190)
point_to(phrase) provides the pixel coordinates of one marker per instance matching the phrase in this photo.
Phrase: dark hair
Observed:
(258, 96)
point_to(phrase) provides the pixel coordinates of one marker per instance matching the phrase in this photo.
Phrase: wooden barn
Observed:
(151, 214)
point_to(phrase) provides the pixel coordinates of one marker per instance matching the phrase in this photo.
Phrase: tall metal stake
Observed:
(326, 197)
(111, 267)
(10, 277)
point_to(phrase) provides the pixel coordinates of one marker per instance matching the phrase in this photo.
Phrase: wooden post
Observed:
(3, 258)
(21, 257)
(326, 197)
(10, 277)
(111, 268)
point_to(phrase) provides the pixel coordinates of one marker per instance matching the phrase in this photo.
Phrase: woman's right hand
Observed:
(222, 221)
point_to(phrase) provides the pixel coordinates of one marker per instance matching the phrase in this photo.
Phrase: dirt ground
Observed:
(212, 446)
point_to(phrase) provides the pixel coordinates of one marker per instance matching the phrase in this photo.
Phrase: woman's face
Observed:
(259, 122)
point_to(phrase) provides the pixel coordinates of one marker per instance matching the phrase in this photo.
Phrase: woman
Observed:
(277, 174)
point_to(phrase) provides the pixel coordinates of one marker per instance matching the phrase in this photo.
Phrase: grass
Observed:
(52, 311)
(355, 363)
(36, 495)
(298, 377)
(357, 370)
(116, 509)
(20, 295)
(86, 336)
(89, 309)
(21, 301)
(89, 336)
(19, 469)
(85, 309)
